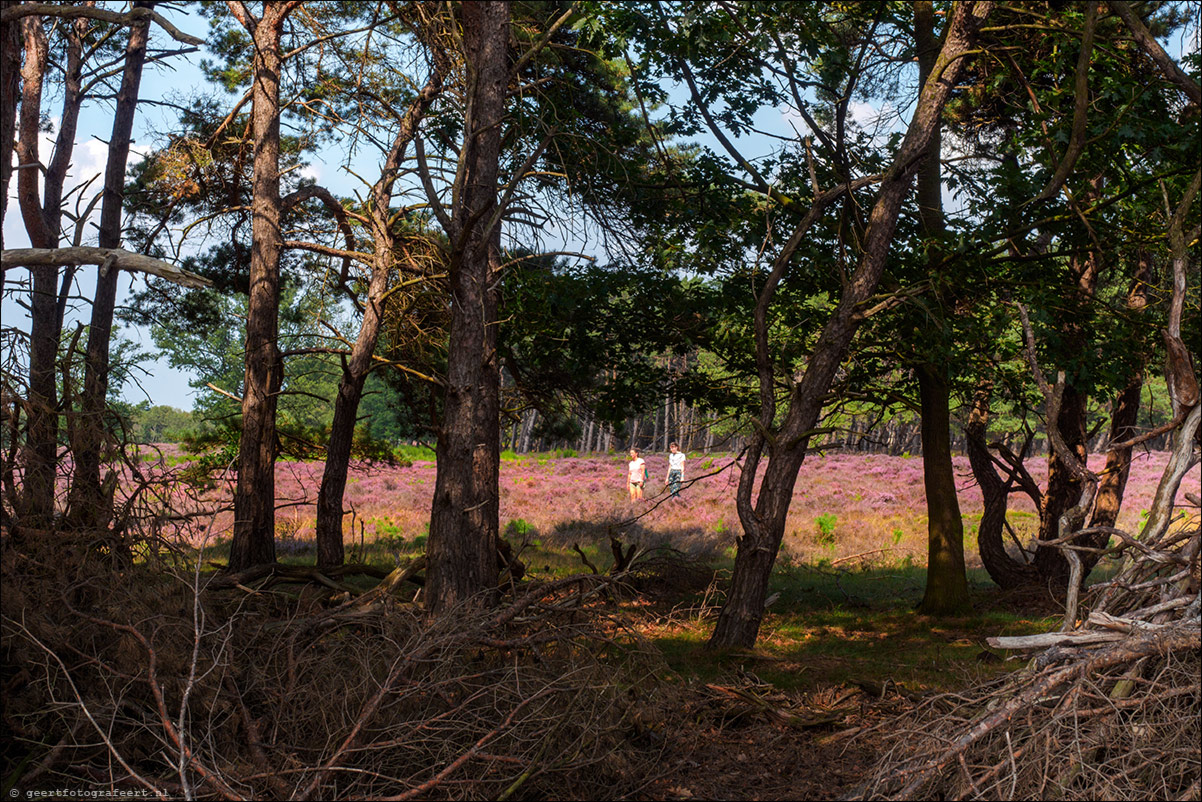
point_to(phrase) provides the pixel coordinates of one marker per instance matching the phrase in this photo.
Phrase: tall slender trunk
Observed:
(38, 457)
(763, 525)
(462, 548)
(330, 549)
(328, 526)
(42, 224)
(10, 88)
(254, 494)
(527, 430)
(947, 580)
(91, 503)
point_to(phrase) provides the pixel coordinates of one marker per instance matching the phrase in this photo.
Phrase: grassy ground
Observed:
(834, 628)
(828, 625)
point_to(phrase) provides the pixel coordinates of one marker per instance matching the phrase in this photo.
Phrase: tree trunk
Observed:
(41, 436)
(254, 495)
(328, 526)
(330, 549)
(1063, 490)
(947, 580)
(462, 549)
(10, 87)
(527, 428)
(1003, 569)
(763, 526)
(91, 505)
(655, 429)
(1124, 415)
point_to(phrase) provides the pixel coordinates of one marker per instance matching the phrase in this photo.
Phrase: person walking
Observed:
(675, 469)
(636, 475)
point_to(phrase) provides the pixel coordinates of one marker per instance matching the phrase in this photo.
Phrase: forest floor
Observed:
(805, 714)
(841, 654)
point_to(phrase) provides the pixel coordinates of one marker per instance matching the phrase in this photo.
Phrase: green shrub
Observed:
(826, 527)
(518, 529)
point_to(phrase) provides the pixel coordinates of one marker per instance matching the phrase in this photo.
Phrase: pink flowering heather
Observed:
(865, 503)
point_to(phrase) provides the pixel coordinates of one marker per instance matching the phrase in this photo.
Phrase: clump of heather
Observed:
(843, 504)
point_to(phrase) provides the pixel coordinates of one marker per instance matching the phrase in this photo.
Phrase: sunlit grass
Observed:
(833, 628)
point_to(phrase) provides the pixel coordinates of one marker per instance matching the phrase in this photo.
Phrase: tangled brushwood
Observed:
(1109, 709)
(152, 681)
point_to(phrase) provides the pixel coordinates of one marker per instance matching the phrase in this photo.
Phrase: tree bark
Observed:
(106, 258)
(763, 526)
(254, 494)
(1064, 489)
(330, 548)
(1003, 569)
(462, 549)
(10, 87)
(328, 526)
(947, 580)
(41, 434)
(1124, 415)
(91, 505)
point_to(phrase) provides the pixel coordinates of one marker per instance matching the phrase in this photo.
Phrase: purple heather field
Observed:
(843, 504)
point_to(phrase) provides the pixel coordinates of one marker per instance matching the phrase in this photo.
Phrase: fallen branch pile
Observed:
(1107, 710)
(150, 682)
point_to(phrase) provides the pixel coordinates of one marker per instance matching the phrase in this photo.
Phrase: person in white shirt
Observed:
(675, 469)
(636, 475)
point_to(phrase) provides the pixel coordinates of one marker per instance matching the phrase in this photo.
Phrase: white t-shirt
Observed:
(676, 461)
(637, 468)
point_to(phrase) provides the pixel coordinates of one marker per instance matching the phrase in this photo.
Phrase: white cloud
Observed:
(84, 182)
(311, 171)
(880, 120)
(793, 119)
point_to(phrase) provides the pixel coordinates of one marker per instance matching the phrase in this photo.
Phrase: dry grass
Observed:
(146, 681)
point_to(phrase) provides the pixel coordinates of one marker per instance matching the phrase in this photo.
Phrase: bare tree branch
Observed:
(16, 11)
(106, 258)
